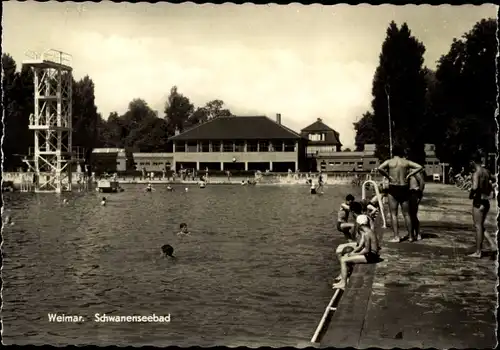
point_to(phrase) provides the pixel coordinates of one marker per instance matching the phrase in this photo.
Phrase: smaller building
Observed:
(153, 161)
(321, 138)
(108, 160)
(348, 161)
(432, 164)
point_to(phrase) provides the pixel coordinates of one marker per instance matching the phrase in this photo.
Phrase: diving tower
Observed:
(53, 155)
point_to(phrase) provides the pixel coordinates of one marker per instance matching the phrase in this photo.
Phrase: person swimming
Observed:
(170, 188)
(8, 220)
(65, 201)
(103, 201)
(149, 188)
(186, 189)
(320, 182)
(183, 230)
(167, 251)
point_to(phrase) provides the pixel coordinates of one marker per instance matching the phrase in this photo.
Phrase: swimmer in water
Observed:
(8, 221)
(65, 201)
(167, 251)
(186, 189)
(320, 183)
(398, 170)
(183, 230)
(170, 188)
(149, 188)
(103, 202)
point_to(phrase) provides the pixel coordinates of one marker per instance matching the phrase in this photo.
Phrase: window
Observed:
(360, 164)
(192, 147)
(263, 146)
(180, 147)
(239, 146)
(372, 162)
(204, 146)
(251, 146)
(227, 146)
(331, 164)
(216, 146)
(278, 146)
(289, 146)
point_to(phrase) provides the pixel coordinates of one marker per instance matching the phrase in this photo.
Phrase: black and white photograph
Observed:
(249, 175)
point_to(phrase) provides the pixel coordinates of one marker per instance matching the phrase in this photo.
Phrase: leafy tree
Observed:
(178, 108)
(214, 109)
(85, 116)
(136, 123)
(399, 83)
(11, 108)
(464, 100)
(366, 133)
(199, 116)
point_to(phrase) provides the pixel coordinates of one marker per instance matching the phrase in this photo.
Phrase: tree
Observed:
(464, 100)
(178, 108)
(199, 116)
(214, 109)
(11, 125)
(399, 83)
(136, 123)
(85, 116)
(18, 105)
(366, 133)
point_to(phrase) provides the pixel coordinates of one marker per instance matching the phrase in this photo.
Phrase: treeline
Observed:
(452, 107)
(139, 128)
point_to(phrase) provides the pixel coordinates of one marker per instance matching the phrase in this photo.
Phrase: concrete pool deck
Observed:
(423, 294)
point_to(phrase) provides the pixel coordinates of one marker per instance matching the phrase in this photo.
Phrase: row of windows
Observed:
(236, 147)
(317, 137)
(153, 163)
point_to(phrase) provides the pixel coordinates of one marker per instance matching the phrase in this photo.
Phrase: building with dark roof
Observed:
(321, 138)
(239, 143)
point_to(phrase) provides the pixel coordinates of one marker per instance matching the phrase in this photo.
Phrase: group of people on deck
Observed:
(405, 189)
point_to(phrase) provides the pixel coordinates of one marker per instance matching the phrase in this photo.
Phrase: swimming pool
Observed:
(256, 270)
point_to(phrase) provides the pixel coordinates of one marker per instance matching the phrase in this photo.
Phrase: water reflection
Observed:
(254, 271)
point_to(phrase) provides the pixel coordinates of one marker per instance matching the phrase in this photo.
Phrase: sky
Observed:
(304, 62)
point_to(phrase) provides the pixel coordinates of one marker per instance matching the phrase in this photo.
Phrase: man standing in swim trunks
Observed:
(482, 186)
(398, 170)
(366, 252)
(417, 186)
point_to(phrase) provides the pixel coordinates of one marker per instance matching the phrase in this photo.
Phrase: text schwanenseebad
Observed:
(134, 318)
(104, 318)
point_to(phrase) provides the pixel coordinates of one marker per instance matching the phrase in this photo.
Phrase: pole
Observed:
(389, 117)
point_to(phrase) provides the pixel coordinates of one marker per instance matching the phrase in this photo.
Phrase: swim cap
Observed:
(362, 220)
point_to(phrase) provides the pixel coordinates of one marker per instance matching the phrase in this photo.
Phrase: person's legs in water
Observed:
(480, 209)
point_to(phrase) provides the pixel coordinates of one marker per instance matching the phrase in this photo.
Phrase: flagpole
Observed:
(389, 117)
